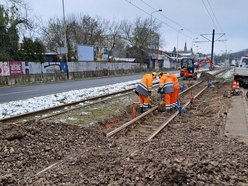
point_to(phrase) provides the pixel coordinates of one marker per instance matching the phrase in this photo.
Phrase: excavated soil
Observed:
(193, 150)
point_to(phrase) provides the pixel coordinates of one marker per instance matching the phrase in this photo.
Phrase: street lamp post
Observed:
(65, 42)
(150, 53)
(177, 39)
(177, 43)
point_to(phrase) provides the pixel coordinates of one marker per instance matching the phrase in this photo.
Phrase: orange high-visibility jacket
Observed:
(234, 85)
(238, 84)
(145, 85)
(175, 81)
(166, 78)
(166, 81)
(147, 81)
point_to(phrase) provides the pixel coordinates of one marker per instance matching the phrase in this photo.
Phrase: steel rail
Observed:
(65, 105)
(144, 114)
(125, 125)
(173, 116)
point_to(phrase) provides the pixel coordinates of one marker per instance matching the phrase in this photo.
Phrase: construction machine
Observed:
(190, 69)
(205, 60)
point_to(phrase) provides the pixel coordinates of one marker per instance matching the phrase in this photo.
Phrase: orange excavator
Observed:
(190, 69)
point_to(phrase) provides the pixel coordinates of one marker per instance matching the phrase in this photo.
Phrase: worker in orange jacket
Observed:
(235, 88)
(234, 85)
(166, 87)
(143, 90)
(176, 90)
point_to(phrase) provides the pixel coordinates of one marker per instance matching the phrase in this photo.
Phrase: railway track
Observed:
(146, 126)
(65, 108)
(61, 109)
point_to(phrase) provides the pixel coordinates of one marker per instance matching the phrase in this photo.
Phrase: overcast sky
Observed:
(195, 17)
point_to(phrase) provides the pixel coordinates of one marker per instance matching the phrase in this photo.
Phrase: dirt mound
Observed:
(206, 76)
(27, 149)
(191, 151)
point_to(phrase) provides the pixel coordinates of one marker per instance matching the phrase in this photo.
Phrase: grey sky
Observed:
(227, 16)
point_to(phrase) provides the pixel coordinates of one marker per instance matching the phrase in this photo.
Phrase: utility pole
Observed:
(177, 44)
(65, 42)
(212, 48)
(212, 41)
(150, 53)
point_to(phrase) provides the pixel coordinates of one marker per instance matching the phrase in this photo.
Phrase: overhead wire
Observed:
(163, 22)
(209, 14)
(149, 14)
(225, 43)
(176, 23)
(218, 25)
(171, 20)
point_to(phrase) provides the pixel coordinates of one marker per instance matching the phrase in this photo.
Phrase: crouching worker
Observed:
(235, 88)
(143, 90)
(166, 88)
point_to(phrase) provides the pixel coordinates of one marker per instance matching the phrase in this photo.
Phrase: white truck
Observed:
(241, 72)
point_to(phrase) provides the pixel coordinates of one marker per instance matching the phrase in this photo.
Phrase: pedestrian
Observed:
(166, 88)
(144, 90)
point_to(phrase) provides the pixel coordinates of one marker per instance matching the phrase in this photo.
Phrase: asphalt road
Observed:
(8, 94)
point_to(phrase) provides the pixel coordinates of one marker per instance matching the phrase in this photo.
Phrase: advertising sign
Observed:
(15, 68)
(85, 53)
(101, 53)
(4, 69)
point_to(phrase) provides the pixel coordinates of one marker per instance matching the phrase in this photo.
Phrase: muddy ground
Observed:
(191, 151)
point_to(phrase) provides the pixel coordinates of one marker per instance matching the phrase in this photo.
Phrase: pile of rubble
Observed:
(192, 151)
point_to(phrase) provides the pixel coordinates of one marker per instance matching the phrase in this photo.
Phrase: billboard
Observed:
(15, 67)
(85, 53)
(4, 69)
(101, 53)
(11, 68)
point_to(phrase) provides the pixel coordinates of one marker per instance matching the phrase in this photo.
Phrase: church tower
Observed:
(185, 47)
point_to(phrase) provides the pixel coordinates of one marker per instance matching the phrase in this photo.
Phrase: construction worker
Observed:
(238, 85)
(166, 88)
(235, 88)
(234, 85)
(143, 90)
(176, 90)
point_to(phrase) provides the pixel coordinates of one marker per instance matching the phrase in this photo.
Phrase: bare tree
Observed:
(79, 30)
(127, 32)
(52, 36)
(112, 37)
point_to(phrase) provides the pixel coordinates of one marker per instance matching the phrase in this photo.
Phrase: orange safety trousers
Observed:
(175, 93)
(144, 101)
(168, 99)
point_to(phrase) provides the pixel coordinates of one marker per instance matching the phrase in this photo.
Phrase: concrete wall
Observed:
(33, 72)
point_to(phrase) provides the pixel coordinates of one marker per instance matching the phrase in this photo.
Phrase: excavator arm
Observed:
(206, 60)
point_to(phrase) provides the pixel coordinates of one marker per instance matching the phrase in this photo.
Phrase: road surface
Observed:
(8, 94)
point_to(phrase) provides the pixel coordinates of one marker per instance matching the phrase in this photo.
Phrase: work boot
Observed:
(145, 109)
(141, 110)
